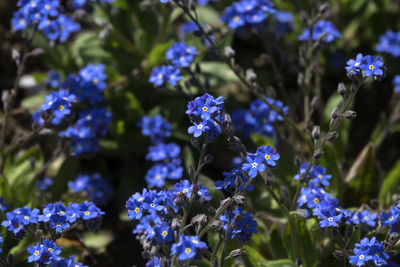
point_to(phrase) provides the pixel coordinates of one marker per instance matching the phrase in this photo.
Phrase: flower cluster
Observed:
(242, 225)
(180, 55)
(155, 212)
(47, 15)
(188, 247)
(62, 262)
(389, 43)
(247, 13)
(44, 253)
(165, 156)
(97, 187)
(57, 217)
(396, 83)
(236, 178)
(322, 31)
(259, 118)
(369, 251)
(366, 66)
(323, 205)
(316, 175)
(206, 114)
(392, 218)
(59, 105)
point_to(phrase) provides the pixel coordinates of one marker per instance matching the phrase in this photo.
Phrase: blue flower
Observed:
(156, 127)
(389, 42)
(3, 206)
(181, 55)
(59, 104)
(197, 129)
(369, 251)
(230, 180)
(62, 262)
(165, 74)
(247, 13)
(60, 28)
(44, 184)
(355, 64)
(322, 28)
(54, 79)
(97, 187)
(163, 232)
(44, 253)
(372, 66)
(189, 247)
(241, 228)
(254, 164)
(269, 155)
(396, 83)
(316, 175)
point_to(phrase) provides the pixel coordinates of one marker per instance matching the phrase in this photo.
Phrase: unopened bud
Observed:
(284, 193)
(175, 225)
(316, 132)
(217, 226)
(334, 113)
(332, 136)
(353, 89)
(297, 161)
(208, 159)
(350, 114)
(251, 75)
(301, 213)
(341, 89)
(237, 253)
(338, 254)
(318, 154)
(37, 52)
(229, 52)
(315, 103)
(200, 219)
(268, 179)
(239, 199)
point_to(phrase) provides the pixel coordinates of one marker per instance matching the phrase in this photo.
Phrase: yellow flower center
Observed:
(61, 107)
(378, 254)
(164, 233)
(267, 157)
(330, 219)
(316, 200)
(235, 18)
(87, 213)
(36, 252)
(47, 7)
(50, 249)
(390, 218)
(199, 126)
(95, 81)
(254, 165)
(187, 250)
(21, 21)
(205, 108)
(361, 257)
(137, 210)
(371, 67)
(26, 218)
(140, 199)
(185, 190)
(62, 212)
(158, 177)
(160, 76)
(366, 218)
(195, 241)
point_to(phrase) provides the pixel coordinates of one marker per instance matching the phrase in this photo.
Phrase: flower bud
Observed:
(284, 193)
(341, 89)
(239, 199)
(229, 52)
(315, 103)
(208, 159)
(334, 113)
(332, 136)
(301, 213)
(350, 114)
(338, 254)
(297, 161)
(251, 75)
(316, 132)
(237, 253)
(200, 219)
(318, 154)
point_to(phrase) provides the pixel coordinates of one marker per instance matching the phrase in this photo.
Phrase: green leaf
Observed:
(219, 70)
(330, 161)
(390, 187)
(157, 55)
(97, 240)
(32, 103)
(363, 178)
(253, 258)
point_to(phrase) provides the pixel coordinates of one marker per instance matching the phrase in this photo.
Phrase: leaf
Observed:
(253, 258)
(330, 161)
(363, 178)
(390, 187)
(98, 239)
(33, 103)
(157, 55)
(219, 70)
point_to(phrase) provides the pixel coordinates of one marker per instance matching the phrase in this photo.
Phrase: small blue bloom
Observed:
(189, 247)
(322, 29)
(254, 164)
